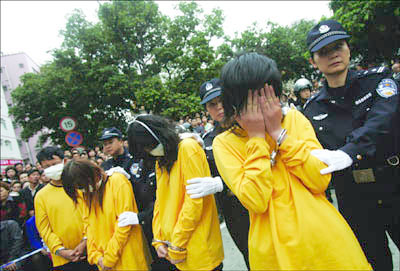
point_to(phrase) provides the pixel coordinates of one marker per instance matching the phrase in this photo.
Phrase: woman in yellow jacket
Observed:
(186, 231)
(267, 163)
(105, 197)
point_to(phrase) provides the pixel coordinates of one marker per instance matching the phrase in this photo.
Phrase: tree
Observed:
(285, 44)
(374, 27)
(134, 56)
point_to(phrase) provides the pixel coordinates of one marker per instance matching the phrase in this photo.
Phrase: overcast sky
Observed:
(33, 26)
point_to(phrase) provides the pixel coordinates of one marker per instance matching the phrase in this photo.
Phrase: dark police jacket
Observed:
(120, 161)
(363, 120)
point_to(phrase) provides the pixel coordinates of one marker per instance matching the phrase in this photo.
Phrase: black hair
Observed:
(10, 167)
(34, 169)
(140, 141)
(246, 71)
(19, 163)
(82, 173)
(48, 152)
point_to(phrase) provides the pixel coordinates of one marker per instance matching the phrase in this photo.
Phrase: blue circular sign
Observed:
(74, 139)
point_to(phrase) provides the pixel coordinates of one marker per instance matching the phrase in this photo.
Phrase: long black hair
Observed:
(81, 174)
(141, 141)
(246, 71)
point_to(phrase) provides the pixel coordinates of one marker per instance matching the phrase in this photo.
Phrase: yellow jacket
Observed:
(123, 248)
(292, 224)
(184, 222)
(58, 220)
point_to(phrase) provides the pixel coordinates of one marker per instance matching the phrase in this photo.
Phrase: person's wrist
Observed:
(275, 134)
(59, 251)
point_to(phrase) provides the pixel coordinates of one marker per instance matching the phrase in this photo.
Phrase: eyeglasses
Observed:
(329, 49)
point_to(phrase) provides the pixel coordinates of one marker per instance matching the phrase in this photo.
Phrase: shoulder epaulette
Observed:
(371, 71)
(206, 133)
(311, 98)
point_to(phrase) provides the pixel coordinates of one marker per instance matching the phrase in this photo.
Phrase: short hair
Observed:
(5, 185)
(48, 152)
(246, 71)
(33, 170)
(10, 167)
(19, 163)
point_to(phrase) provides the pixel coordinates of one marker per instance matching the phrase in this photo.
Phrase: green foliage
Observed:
(133, 57)
(285, 44)
(374, 27)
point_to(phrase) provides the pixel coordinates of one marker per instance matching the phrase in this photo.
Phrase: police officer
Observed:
(302, 90)
(236, 216)
(114, 145)
(356, 118)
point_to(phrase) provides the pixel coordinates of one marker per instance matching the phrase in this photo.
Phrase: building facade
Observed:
(13, 66)
(10, 153)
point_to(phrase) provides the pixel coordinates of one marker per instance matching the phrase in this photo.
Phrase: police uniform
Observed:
(362, 119)
(236, 216)
(121, 160)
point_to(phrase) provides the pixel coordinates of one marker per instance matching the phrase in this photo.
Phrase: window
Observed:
(19, 142)
(8, 144)
(3, 124)
(21, 65)
(14, 124)
(5, 87)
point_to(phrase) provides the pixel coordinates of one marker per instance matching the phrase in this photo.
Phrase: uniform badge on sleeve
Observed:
(134, 168)
(387, 88)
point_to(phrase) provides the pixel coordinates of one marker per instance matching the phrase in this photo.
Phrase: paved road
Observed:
(234, 260)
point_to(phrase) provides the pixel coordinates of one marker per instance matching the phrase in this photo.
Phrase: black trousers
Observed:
(77, 266)
(237, 222)
(371, 215)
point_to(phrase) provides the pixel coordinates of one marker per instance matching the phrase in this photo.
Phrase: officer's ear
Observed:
(311, 60)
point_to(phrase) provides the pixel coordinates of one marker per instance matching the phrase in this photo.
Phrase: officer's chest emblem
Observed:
(320, 117)
(134, 168)
(387, 88)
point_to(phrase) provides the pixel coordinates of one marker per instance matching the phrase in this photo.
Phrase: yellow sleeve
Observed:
(93, 255)
(295, 154)
(156, 225)
(124, 203)
(195, 166)
(52, 241)
(250, 178)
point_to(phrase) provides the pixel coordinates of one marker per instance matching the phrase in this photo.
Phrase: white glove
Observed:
(112, 170)
(200, 187)
(336, 160)
(195, 136)
(127, 219)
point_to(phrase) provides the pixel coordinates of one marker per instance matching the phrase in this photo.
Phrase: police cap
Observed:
(209, 90)
(325, 33)
(110, 132)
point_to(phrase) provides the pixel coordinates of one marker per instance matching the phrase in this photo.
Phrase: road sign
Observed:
(68, 124)
(73, 139)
